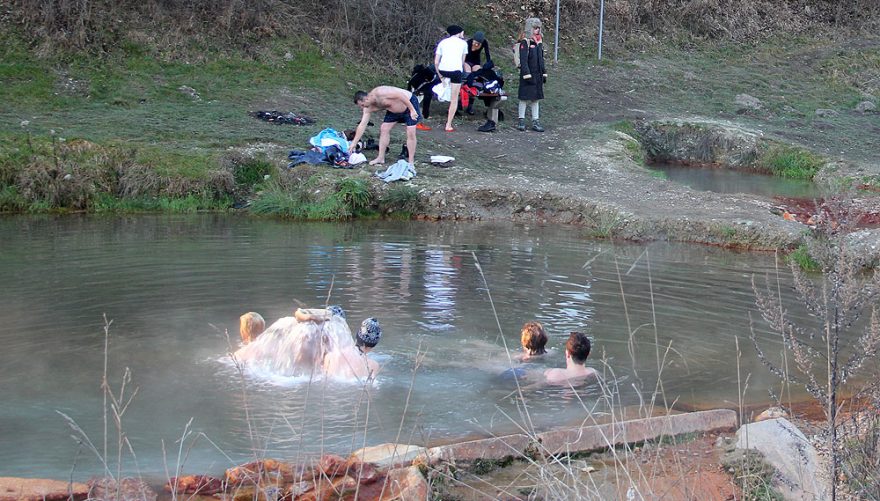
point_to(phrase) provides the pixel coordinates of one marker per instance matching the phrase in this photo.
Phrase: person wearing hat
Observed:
(353, 362)
(476, 46)
(449, 62)
(473, 60)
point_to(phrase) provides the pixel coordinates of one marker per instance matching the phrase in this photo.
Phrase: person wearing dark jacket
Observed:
(473, 62)
(476, 46)
(529, 56)
(421, 82)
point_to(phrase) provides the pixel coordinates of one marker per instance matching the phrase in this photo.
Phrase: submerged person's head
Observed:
(369, 334)
(578, 347)
(336, 311)
(533, 338)
(251, 326)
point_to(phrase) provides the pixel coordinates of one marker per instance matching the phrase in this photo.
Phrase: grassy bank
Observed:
(183, 124)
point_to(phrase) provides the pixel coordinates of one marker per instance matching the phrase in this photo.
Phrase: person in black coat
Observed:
(529, 57)
(421, 82)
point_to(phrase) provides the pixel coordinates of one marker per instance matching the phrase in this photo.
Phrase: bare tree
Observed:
(837, 298)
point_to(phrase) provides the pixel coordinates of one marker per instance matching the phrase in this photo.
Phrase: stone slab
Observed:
(496, 448)
(608, 435)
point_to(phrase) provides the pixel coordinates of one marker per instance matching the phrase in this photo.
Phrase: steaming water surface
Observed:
(174, 286)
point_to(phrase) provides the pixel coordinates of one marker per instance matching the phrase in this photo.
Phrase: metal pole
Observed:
(556, 36)
(601, 25)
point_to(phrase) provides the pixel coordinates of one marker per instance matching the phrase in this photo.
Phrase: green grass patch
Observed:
(252, 171)
(402, 201)
(790, 162)
(314, 200)
(354, 195)
(636, 152)
(625, 126)
(801, 257)
(11, 200)
(26, 80)
(190, 164)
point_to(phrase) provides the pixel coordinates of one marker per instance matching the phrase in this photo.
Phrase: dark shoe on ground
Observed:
(536, 126)
(489, 126)
(404, 153)
(521, 124)
(469, 110)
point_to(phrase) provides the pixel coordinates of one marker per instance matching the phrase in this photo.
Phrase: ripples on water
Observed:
(174, 286)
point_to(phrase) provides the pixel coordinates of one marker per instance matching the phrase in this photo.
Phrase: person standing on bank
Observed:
(449, 61)
(529, 57)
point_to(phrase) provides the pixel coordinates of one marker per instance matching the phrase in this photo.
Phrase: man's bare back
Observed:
(388, 98)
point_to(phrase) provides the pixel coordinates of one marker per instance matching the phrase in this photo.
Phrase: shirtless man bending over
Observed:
(400, 106)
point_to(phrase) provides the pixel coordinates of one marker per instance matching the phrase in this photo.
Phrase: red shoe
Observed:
(421, 126)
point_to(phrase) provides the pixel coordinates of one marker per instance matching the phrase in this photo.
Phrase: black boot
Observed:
(521, 124)
(536, 126)
(489, 126)
(404, 153)
(470, 107)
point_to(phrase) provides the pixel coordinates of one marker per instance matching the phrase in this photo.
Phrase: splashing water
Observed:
(289, 347)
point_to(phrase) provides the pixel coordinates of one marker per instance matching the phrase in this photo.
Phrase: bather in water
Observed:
(296, 346)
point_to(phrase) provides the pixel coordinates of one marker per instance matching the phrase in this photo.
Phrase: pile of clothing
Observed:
(483, 81)
(328, 146)
(280, 117)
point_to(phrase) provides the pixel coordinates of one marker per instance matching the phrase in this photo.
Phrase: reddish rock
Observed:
(38, 489)
(254, 493)
(267, 469)
(333, 466)
(128, 489)
(405, 484)
(195, 484)
(338, 488)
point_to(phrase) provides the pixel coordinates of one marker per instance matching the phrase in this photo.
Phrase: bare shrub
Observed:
(838, 299)
(380, 28)
(860, 463)
(138, 180)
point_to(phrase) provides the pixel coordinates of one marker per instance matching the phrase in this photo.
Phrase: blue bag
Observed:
(329, 137)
